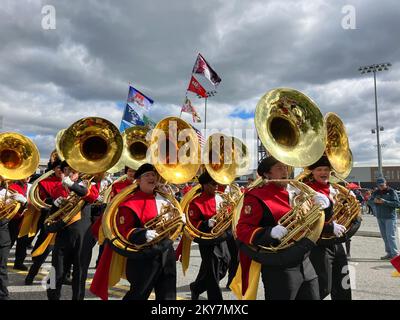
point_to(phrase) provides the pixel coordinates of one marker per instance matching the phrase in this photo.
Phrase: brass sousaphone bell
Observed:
(135, 148)
(90, 146)
(19, 158)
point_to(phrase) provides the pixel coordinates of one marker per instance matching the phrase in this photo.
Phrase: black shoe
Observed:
(387, 257)
(21, 267)
(193, 294)
(28, 281)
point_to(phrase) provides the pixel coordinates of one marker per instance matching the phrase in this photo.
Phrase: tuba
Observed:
(292, 129)
(171, 140)
(221, 162)
(90, 145)
(347, 209)
(19, 158)
(135, 148)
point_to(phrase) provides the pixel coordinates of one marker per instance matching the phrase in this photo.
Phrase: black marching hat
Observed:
(265, 165)
(146, 167)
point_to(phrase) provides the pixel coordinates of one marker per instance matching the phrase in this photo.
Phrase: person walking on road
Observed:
(385, 200)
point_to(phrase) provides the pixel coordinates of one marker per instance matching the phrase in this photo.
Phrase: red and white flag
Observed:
(202, 67)
(189, 108)
(196, 87)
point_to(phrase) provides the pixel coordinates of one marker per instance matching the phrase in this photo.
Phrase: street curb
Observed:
(372, 234)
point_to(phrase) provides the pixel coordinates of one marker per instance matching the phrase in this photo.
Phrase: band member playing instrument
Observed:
(329, 261)
(262, 208)
(21, 189)
(159, 272)
(119, 185)
(69, 239)
(48, 191)
(4, 248)
(215, 258)
(89, 241)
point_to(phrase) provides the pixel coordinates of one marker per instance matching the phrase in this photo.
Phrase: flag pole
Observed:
(205, 114)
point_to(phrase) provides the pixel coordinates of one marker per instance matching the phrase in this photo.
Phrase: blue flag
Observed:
(130, 118)
(138, 98)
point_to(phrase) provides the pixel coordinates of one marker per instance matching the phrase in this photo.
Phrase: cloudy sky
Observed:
(50, 78)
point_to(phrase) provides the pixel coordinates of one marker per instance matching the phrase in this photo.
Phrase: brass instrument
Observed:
(33, 194)
(168, 224)
(135, 148)
(58, 146)
(19, 158)
(292, 130)
(291, 127)
(170, 138)
(347, 209)
(175, 150)
(219, 155)
(90, 145)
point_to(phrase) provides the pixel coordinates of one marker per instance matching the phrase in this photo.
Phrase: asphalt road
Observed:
(371, 278)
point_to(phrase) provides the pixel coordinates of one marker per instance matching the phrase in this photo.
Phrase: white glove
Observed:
(100, 198)
(104, 184)
(19, 197)
(58, 202)
(338, 229)
(211, 222)
(278, 232)
(66, 181)
(150, 235)
(321, 200)
(184, 218)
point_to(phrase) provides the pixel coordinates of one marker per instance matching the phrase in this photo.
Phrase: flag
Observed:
(189, 108)
(130, 118)
(202, 140)
(148, 122)
(138, 98)
(196, 87)
(202, 67)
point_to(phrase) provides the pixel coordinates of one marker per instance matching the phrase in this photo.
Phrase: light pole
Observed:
(375, 68)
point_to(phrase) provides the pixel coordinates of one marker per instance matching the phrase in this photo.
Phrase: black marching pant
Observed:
(331, 265)
(86, 256)
(214, 264)
(158, 273)
(67, 248)
(4, 252)
(234, 263)
(39, 260)
(298, 282)
(22, 243)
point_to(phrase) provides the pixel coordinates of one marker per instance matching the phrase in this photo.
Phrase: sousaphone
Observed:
(292, 129)
(19, 158)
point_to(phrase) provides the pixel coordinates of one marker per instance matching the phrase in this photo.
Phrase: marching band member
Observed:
(48, 192)
(215, 258)
(21, 189)
(329, 261)
(69, 240)
(120, 185)
(89, 240)
(262, 208)
(4, 248)
(144, 275)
